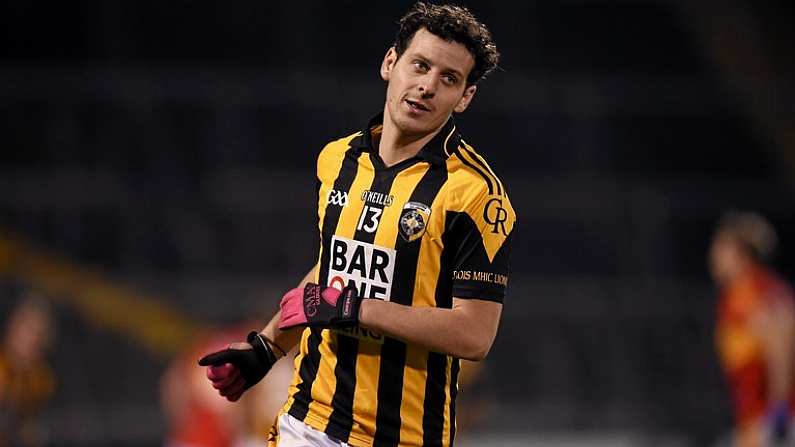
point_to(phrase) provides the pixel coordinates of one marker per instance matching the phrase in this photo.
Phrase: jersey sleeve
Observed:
(481, 235)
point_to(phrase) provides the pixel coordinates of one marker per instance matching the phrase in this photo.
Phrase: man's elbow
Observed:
(474, 356)
(476, 350)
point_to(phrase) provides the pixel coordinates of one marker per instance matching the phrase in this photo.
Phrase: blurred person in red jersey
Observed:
(195, 417)
(26, 380)
(754, 333)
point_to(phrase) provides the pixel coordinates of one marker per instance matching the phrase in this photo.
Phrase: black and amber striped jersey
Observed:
(423, 231)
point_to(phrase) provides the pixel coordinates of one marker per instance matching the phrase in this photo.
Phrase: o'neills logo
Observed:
(377, 198)
(413, 220)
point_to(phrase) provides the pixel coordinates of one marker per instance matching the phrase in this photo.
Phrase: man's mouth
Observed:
(415, 105)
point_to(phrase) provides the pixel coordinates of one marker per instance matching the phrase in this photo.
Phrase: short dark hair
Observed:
(453, 24)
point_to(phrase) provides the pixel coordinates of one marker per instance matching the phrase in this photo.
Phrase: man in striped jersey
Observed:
(415, 234)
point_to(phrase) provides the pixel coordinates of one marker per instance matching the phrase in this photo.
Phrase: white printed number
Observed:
(370, 215)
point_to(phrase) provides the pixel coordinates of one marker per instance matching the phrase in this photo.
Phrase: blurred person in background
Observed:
(26, 380)
(195, 417)
(415, 221)
(754, 333)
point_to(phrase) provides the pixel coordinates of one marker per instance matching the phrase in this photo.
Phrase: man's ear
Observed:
(390, 58)
(463, 103)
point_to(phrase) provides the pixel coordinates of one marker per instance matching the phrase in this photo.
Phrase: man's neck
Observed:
(394, 146)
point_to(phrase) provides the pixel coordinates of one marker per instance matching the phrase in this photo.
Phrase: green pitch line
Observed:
(141, 317)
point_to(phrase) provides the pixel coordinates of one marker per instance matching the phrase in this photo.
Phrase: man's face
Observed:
(725, 258)
(427, 83)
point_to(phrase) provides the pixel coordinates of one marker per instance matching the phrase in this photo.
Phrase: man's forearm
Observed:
(775, 325)
(286, 340)
(780, 345)
(463, 332)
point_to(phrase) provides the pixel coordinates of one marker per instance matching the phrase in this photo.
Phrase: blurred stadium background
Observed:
(155, 178)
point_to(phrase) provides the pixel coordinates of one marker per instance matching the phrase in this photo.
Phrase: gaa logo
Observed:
(337, 198)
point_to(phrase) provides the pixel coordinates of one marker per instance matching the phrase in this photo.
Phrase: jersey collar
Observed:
(434, 152)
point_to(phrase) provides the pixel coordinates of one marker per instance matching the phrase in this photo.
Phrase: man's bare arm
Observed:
(241, 365)
(775, 324)
(466, 331)
(287, 339)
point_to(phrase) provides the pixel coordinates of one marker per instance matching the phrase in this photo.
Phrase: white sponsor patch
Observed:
(366, 266)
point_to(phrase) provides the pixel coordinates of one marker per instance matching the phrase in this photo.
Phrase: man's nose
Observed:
(428, 86)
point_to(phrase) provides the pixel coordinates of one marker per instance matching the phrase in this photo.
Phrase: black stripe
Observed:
(307, 372)
(433, 411)
(434, 414)
(486, 168)
(310, 363)
(382, 182)
(390, 393)
(453, 395)
(477, 169)
(341, 418)
(340, 422)
(393, 352)
(345, 178)
(451, 241)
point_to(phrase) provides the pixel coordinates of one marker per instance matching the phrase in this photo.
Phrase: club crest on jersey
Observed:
(413, 220)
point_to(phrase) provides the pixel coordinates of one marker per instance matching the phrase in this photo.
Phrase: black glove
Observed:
(249, 366)
(318, 306)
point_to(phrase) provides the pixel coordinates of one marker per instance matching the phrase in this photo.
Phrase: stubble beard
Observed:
(407, 126)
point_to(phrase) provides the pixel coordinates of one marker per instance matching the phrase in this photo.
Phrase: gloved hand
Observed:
(318, 306)
(778, 420)
(240, 366)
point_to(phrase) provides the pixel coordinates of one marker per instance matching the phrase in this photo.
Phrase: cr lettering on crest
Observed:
(496, 216)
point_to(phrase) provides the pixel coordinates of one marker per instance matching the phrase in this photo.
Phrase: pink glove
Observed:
(240, 366)
(227, 380)
(318, 306)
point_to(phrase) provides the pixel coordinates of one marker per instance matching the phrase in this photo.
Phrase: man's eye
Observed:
(421, 66)
(450, 79)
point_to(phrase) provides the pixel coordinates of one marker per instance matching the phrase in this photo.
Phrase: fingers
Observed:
(291, 300)
(234, 390)
(235, 397)
(292, 309)
(240, 346)
(227, 380)
(223, 356)
(330, 295)
(221, 371)
(214, 359)
(222, 376)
